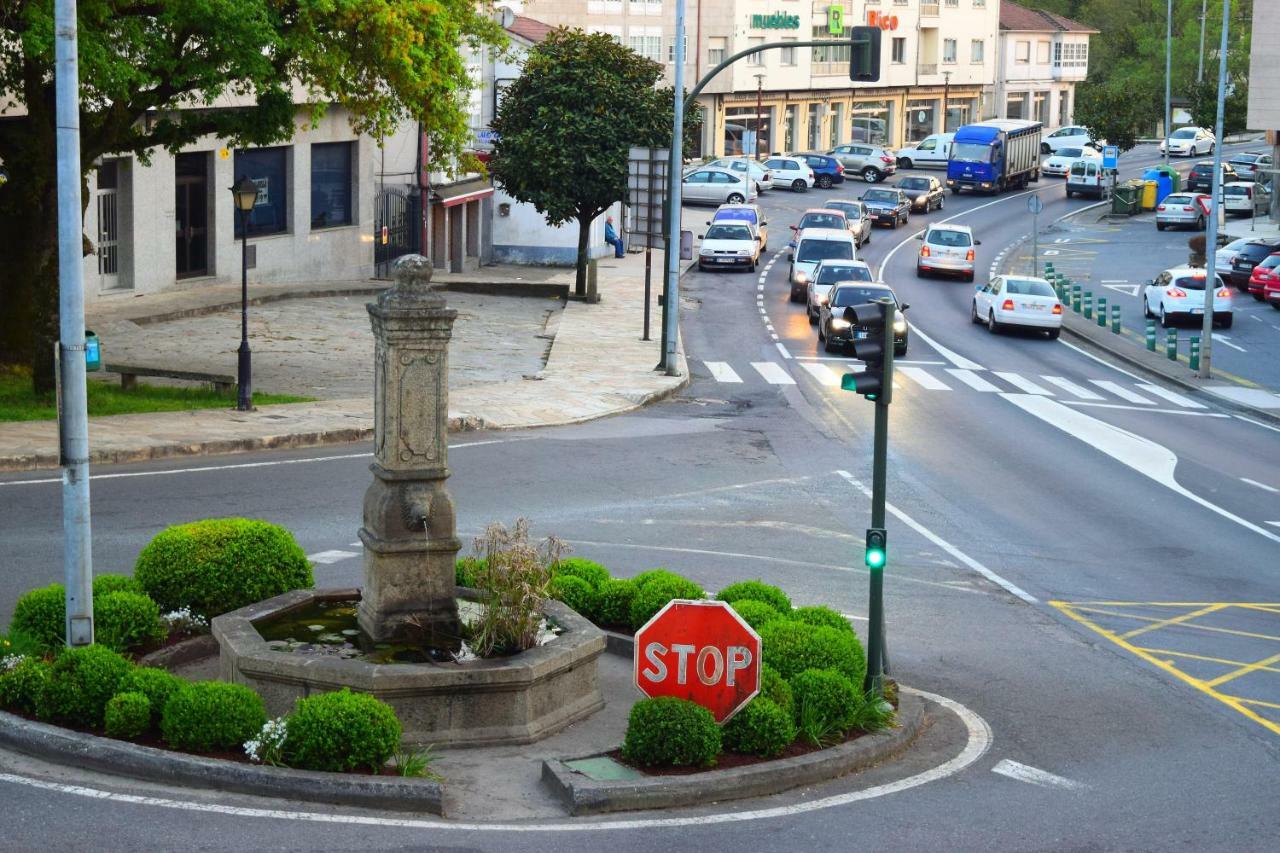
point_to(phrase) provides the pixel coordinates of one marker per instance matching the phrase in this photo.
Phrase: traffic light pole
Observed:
(879, 465)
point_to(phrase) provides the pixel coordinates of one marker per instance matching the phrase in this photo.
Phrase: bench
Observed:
(129, 373)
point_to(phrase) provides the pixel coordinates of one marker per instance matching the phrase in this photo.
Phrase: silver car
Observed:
(1179, 209)
(709, 185)
(826, 276)
(873, 162)
(856, 214)
(764, 180)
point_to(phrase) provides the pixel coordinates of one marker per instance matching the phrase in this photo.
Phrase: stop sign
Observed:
(701, 651)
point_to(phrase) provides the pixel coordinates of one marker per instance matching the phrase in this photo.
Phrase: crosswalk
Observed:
(936, 377)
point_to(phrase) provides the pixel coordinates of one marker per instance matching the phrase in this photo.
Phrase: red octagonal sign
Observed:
(701, 651)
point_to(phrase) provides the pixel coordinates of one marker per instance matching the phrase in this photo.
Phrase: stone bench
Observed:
(129, 373)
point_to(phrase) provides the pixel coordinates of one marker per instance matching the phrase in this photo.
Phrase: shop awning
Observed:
(461, 192)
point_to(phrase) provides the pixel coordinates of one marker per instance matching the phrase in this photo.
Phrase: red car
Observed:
(1271, 292)
(1265, 276)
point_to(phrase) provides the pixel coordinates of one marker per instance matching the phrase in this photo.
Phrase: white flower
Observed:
(9, 662)
(266, 747)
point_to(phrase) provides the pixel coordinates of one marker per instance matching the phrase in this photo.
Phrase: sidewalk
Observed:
(596, 366)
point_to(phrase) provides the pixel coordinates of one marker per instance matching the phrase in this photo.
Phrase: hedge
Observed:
(761, 728)
(81, 682)
(756, 591)
(211, 716)
(792, 647)
(671, 732)
(341, 731)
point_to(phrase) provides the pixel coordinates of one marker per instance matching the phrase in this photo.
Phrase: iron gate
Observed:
(397, 227)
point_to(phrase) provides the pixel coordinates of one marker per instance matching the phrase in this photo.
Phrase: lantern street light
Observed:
(245, 193)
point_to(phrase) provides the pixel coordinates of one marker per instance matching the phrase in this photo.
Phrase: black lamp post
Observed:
(245, 193)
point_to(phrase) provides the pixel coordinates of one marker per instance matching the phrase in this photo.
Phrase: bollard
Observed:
(1151, 335)
(1115, 319)
(1171, 345)
(1075, 298)
(1194, 358)
(1088, 304)
(1102, 310)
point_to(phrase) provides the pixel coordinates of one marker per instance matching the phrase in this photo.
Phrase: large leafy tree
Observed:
(1110, 113)
(163, 73)
(566, 124)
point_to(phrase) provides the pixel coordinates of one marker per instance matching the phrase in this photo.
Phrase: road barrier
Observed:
(1195, 353)
(1171, 345)
(1075, 298)
(1102, 311)
(1088, 304)
(1151, 335)
(1115, 319)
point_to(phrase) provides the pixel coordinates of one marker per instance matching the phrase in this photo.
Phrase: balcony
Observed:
(1073, 71)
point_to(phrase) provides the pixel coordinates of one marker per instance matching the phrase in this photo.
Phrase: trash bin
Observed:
(92, 351)
(1149, 190)
(1164, 184)
(1174, 177)
(1125, 200)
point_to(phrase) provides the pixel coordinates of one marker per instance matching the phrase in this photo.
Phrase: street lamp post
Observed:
(1200, 66)
(946, 98)
(759, 114)
(1168, 71)
(245, 193)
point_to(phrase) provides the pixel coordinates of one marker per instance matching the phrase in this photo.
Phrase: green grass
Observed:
(18, 403)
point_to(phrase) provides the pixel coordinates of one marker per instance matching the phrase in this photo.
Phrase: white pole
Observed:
(1168, 71)
(672, 316)
(1200, 64)
(1211, 239)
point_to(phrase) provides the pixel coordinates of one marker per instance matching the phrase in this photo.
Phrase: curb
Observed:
(120, 758)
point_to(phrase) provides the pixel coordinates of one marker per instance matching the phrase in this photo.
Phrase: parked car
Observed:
(1245, 198)
(873, 162)
(1200, 178)
(818, 217)
(856, 215)
(1249, 256)
(1264, 274)
(1072, 136)
(933, 150)
(926, 194)
(1060, 162)
(1222, 258)
(1178, 294)
(887, 206)
(1251, 165)
(827, 170)
(710, 185)
(790, 172)
(1086, 177)
(948, 249)
(826, 276)
(1189, 142)
(817, 244)
(759, 174)
(836, 333)
(1180, 209)
(727, 245)
(748, 213)
(1015, 300)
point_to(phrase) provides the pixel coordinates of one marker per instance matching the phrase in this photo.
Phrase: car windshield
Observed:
(1189, 282)
(947, 237)
(1271, 262)
(1185, 133)
(1027, 287)
(823, 220)
(737, 214)
(1257, 251)
(1230, 190)
(830, 274)
(728, 232)
(880, 195)
(1070, 152)
(914, 183)
(1177, 199)
(850, 209)
(846, 296)
(971, 152)
(1247, 159)
(823, 250)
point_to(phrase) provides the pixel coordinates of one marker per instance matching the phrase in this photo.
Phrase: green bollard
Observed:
(1171, 345)
(1115, 319)
(1151, 335)
(1075, 298)
(1195, 352)
(1088, 304)
(1102, 311)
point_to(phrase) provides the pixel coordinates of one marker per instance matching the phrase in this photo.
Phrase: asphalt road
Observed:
(1084, 558)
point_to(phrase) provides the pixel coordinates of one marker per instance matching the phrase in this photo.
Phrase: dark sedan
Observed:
(1200, 179)
(887, 206)
(1249, 256)
(926, 194)
(835, 332)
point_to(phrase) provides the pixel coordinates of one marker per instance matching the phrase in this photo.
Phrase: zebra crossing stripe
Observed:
(1173, 397)
(1122, 392)
(1022, 383)
(1072, 388)
(773, 373)
(722, 372)
(923, 378)
(973, 380)
(822, 373)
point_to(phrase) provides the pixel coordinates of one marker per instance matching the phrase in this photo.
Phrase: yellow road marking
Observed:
(1176, 620)
(1182, 625)
(1259, 702)
(1258, 604)
(1205, 658)
(1244, 670)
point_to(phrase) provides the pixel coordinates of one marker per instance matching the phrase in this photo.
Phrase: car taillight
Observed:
(968, 256)
(1224, 293)
(1188, 209)
(924, 251)
(1057, 308)
(1007, 306)
(1161, 207)
(839, 169)
(885, 159)
(1176, 293)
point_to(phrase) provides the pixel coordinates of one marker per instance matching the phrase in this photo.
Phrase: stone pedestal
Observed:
(409, 533)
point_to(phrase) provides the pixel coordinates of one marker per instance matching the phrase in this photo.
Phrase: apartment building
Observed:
(1042, 57)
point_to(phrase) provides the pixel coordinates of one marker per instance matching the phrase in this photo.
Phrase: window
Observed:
(788, 54)
(614, 32)
(671, 51)
(837, 124)
(1042, 52)
(949, 51)
(979, 4)
(899, 51)
(1022, 52)
(652, 8)
(1015, 107)
(646, 41)
(977, 51)
(815, 126)
(838, 52)
(953, 3)
(268, 168)
(331, 184)
(715, 50)
(755, 58)
(1071, 55)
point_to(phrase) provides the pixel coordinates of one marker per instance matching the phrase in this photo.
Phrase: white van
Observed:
(814, 245)
(1086, 178)
(933, 150)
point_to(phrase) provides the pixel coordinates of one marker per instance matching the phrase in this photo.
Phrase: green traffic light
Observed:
(875, 558)
(877, 548)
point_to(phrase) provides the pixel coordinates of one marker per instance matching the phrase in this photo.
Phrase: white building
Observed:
(1042, 57)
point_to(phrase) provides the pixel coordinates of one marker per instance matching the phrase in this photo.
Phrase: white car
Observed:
(947, 249)
(1072, 136)
(814, 245)
(728, 244)
(826, 276)
(1060, 163)
(1016, 300)
(1245, 198)
(790, 172)
(1189, 142)
(1178, 294)
(759, 174)
(933, 150)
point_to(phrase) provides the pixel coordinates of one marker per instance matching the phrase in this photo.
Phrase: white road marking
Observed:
(973, 380)
(1071, 388)
(1022, 383)
(923, 378)
(1024, 773)
(1262, 486)
(896, 362)
(355, 545)
(1249, 396)
(331, 556)
(964, 558)
(954, 357)
(822, 373)
(722, 372)
(1122, 392)
(1256, 423)
(1146, 457)
(1128, 408)
(1225, 341)
(773, 373)
(854, 616)
(782, 349)
(1172, 396)
(1101, 361)
(1274, 523)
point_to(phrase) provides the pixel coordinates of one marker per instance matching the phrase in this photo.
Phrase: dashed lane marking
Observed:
(973, 380)
(1262, 486)
(1121, 392)
(1034, 776)
(782, 349)
(1022, 383)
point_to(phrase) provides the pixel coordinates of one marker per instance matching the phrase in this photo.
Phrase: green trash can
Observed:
(92, 351)
(1125, 200)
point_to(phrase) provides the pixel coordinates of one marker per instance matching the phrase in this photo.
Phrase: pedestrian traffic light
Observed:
(875, 320)
(877, 550)
(864, 55)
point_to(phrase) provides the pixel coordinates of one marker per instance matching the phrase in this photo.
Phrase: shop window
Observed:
(1015, 106)
(331, 184)
(837, 124)
(815, 126)
(268, 168)
(921, 118)
(789, 128)
(872, 122)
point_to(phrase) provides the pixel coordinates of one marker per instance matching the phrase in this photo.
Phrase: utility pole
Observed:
(671, 308)
(1168, 70)
(73, 421)
(759, 113)
(1200, 66)
(1211, 239)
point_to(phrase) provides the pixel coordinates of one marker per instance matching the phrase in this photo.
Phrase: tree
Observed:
(157, 73)
(1110, 112)
(566, 124)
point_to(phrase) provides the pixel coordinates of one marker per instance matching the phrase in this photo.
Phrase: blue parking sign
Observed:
(1110, 157)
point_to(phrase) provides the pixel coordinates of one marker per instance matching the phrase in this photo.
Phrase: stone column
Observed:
(409, 533)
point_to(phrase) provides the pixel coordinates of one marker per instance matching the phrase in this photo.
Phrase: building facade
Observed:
(1042, 58)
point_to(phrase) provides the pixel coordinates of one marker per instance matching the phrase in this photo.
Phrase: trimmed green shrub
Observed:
(211, 716)
(589, 570)
(761, 728)
(792, 647)
(825, 698)
(671, 732)
(81, 682)
(341, 731)
(156, 684)
(613, 602)
(125, 620)
(466, 569)
(22, 687)
(19, 643)
(41, 614)
(775, 688)
(654, 595)
(105, 584)
(221, 564)
(756, 591)
(127, 715)
(755, 613)
(648, 576)
(573, 591)
(821, 615)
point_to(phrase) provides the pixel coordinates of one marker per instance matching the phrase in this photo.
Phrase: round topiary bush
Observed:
(761, 728)
(41, 614)
(127, 620)
(613, 603)
(825, 701)
(755, 613)
(104, 584)
(792, 647)
(211, 716)
(127, 715)
(573, 591)
(81, 682)
(156, 684)
(589, 570)
(22, 686)
(341, 731)
(775, 688)
(821, 615)
(465, 570)
(671, 732)
(756, 591)
(221, 564)
(649, 575)
(654, 595)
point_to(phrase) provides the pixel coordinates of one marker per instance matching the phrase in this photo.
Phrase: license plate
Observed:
(724, 260)
(1035, 306)
(858, 336)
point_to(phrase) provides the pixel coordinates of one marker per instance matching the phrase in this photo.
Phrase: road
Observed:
(1085, 558)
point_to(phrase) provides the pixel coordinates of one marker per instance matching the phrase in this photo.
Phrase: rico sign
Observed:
(701, 651)
(881, 20)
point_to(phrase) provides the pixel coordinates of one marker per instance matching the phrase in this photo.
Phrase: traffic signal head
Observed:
(864, 58)
(875, 319)
(877, 548)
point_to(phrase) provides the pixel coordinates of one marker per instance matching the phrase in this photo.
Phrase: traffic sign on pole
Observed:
(1111, 157)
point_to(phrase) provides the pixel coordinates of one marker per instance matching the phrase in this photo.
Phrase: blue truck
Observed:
(992, 156)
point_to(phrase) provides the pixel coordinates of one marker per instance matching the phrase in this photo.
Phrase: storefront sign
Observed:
(835, 20)
(881, 20)
(776, 21)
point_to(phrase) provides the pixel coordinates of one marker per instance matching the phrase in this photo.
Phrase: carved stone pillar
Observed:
(409, 532)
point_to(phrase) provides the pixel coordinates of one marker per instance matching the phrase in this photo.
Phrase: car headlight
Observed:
(837, 323)
(801, 278)
(899, 324)
(705, 253)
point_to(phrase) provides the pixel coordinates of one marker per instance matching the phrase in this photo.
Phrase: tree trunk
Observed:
(584, 237)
